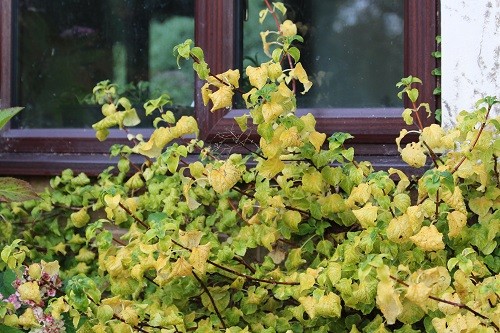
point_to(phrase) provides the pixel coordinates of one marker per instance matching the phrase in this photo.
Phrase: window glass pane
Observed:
(353, 50)
(65, 47)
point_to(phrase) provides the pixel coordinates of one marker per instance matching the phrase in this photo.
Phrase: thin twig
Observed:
(211, 299)
(138, 220)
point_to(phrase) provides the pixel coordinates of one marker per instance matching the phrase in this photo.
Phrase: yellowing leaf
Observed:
(312, 182)
(480, 205)
(292, 219)
(28, 320)
(366, 215)
(274, 71)
(270, 167)
(329, 306)
(222, 98)
(290, 138)
(190, 239)
(418, 293)
(432, 135)
(181, 268)
(456, 222)
(30, 291)
(112, 201)
(333, 203)
(205, 93)
(288, 28)
(272, 110)
(317, 139)
(360, 194)
(224, 178)
(309, 305)
(199, 256)
(257, 76)
(306, 281)
(414, 155)
(80, 218)
(299, 73)
(399, 229)
(387, 298)
(231, 77)
(428, 239)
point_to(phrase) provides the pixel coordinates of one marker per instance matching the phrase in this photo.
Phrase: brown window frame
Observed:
(46, 152)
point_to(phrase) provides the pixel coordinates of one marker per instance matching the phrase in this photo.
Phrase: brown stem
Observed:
(459, 305)
(133, 216)
(495, 168)
(211, 299)
(119, 241)
(476, 139)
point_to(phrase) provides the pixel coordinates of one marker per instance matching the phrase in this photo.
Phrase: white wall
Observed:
(470, 63)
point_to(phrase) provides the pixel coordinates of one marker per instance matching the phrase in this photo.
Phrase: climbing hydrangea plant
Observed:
(296, 236)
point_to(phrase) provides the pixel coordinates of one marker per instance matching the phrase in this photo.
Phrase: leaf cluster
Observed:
(296, 236)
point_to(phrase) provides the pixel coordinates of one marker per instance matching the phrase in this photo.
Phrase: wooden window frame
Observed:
(46, 152)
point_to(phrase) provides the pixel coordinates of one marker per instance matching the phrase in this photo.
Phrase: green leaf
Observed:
(16, 190)
(412, 94)
(295, 53)
(242, 122)
(436, 71)
(7, 114)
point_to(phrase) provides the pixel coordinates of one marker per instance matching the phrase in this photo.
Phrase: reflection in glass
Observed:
(353, 50)
(65, 47)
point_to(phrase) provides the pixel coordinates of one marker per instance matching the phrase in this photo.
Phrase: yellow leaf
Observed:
(51, 267)
(413, 154)
(432, 135)
(274, 71)
(112, 201)
(80, 218)
(299, 73)
(399, 229)
(456, 222)
(222, 98)
(290, 138)
(231, 77)
(190, 239)
(270, 167)
(366, 215)
(265, 43)
(272, 110)
(428, 239)
(130, 315)
(329, 306)
(181, 268)
(205, 93)
(224, 178)
(309, 305)
(418, 293)
(257, 76)
(306, 281)
(360, 194)
(30, 291)
(387, 298)
(292, 219)
(312, 182)
(288, 28)
(403, 182)
(28, 319)
(35, 271)
(199, 256)
(317, 139)
(333, 203)
(57, 307)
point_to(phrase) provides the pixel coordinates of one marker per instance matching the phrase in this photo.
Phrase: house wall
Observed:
(470, 64)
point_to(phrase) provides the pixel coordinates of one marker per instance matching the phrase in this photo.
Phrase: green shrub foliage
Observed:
(295, 236)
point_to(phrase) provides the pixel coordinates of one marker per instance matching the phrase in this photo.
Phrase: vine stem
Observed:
(278, 25)
(459, 305)
(229, 270)
(205, 288)
(133, 216)
(474, 143)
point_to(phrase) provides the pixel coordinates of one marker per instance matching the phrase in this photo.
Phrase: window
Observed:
(219, 30)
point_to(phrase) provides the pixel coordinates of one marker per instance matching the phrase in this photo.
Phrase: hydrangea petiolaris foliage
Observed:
(296, 236)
